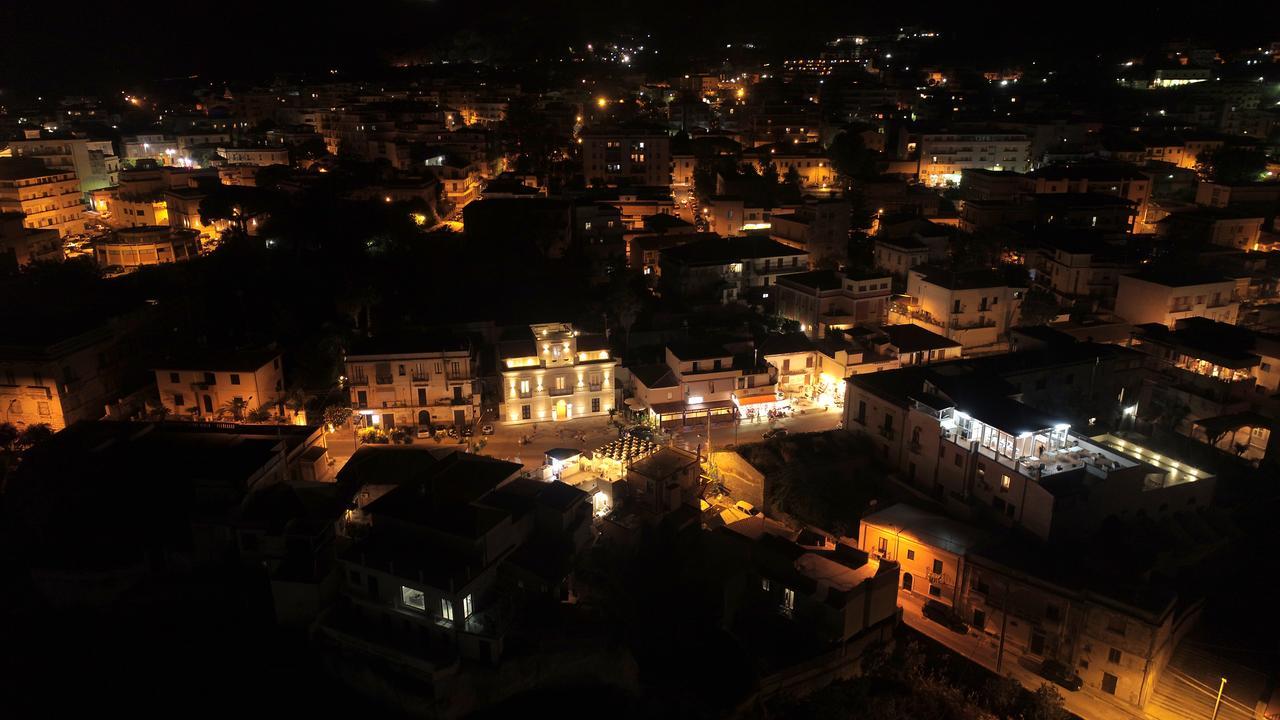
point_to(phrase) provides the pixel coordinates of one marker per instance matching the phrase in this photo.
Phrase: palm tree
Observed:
(235, 408)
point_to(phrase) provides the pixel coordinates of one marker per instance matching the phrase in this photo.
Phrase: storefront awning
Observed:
(679, 408)
(757, 400)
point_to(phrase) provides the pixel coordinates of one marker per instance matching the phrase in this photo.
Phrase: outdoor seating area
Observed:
(612, 459)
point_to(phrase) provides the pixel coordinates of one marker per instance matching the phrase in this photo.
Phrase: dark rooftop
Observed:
(785, 344)
(1178, 276)
(909, 338)
(722, 251)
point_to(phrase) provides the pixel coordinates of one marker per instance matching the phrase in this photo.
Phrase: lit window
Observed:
(446, 610)
(764, 584)
(467, 608)
(1004, 483)
(413, 598)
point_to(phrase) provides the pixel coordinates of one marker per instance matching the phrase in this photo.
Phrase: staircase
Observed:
(1189, 685)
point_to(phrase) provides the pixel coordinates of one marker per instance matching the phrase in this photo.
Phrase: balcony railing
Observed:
(595, 387)
(385, 379)
(361, 380)
(887, 433)
(419, 376)
(556, 392)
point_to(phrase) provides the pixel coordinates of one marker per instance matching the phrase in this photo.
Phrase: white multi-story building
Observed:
(1167, 295)
(224, 386)
(423, 383)
(49, 198)
(555, 374)
(943, 156)
(94, 162)
(974, 308)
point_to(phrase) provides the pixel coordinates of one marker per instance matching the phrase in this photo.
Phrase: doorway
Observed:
(1037, 643)
(907, 581)
(979, 620)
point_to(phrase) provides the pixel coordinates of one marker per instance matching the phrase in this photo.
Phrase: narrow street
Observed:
(981, 648)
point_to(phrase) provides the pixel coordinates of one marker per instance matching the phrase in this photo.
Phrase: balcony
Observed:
(559, 392)
(595, 387)
(359, 381)
(419, 377)
(385, 379)
(887, 433)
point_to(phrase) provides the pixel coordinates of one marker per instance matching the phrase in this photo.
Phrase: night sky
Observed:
(135, 40)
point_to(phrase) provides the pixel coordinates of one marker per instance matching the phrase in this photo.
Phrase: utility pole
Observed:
(1218, 703)
(1004, 623)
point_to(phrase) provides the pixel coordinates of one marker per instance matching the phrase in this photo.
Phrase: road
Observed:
(591, 433)
(981, 649)
(722, 436)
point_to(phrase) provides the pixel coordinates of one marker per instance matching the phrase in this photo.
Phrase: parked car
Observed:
(746, 507)
(774, 433)
(1060, 674)
(423, 431)
(942, 614)
(486, 429)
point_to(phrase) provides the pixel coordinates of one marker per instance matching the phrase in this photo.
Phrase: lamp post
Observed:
(1217, 704)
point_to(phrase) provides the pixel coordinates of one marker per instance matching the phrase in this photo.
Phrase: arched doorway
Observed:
(906, 581)
(424, 418)
(561, 410)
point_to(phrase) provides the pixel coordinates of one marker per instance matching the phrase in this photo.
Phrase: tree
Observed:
(792, 178)
(1045, 704)
(851, 158)
(1039, 307)
(336, 415)
(8, 436)
(235, 408)
(770, 177)
(34, 435)
(626, 304)
(1234, 166)
(1003, 695)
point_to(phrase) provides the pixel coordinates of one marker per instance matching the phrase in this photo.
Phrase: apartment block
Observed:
(425, 382)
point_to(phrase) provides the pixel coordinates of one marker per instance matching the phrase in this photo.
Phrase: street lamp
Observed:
(1217, 704)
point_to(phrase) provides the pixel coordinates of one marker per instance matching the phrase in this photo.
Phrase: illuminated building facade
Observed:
(423, 382)
(224, 386)
(49, 198)
(557, 373)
